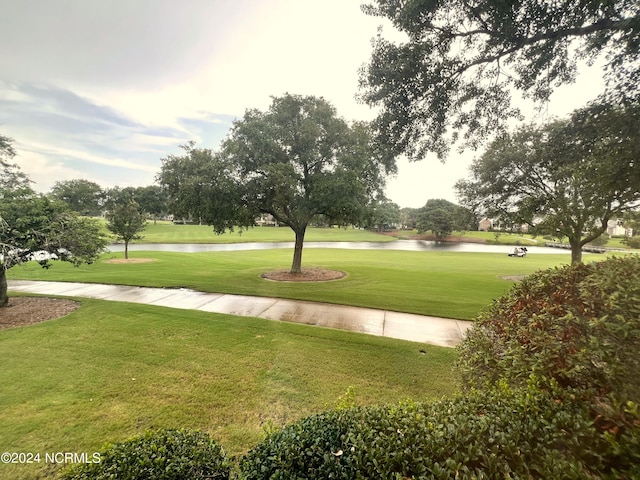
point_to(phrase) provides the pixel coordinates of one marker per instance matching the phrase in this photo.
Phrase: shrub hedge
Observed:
(504, 433)
(579, 325)
(158, 455)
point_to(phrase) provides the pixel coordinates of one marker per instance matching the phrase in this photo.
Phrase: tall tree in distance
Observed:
(152, 199)
(7, 152)
(409, 217)
(384, 214)
(566, 179)
(295, 161)
(80, 195)
(442, 218)
(452, 75)
(126, 220)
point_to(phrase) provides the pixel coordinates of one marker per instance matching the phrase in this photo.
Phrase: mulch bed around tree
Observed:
(29, 310)
(307, 275)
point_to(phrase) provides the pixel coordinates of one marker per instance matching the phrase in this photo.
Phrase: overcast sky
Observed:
(102, 90)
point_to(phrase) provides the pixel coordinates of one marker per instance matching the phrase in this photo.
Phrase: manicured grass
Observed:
(167, 232)
(485, 237)
(111, 370)
(446, 284)
(616, 242)
(503, 238)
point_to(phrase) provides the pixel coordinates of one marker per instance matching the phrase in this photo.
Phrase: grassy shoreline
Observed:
(167, 232)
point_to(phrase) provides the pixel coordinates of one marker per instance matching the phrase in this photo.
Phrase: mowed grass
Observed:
(167, 232)
(446, 284)
(111, 370)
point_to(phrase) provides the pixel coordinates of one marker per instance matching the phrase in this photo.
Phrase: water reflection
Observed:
(407, 245)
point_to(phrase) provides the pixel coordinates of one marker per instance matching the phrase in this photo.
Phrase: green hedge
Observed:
(578, 324)
(158, 455)
(504, 433)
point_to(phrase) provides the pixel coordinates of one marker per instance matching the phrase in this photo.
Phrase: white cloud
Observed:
(104, 90)
(45, 172)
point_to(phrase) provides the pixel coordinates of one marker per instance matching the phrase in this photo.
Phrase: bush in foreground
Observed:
(521, 433)
(578, 325)
(158, 455)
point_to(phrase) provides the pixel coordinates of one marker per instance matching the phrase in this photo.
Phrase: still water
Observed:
(408, 245)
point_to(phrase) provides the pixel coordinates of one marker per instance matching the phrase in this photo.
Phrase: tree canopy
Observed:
(566, 179)
(126, 220)
(295, 161)
(442, 217)
(34, 227)
(384, 214)
(452, 76)
(152, 198)
(80, 195)
(7, 151)
(12, 178)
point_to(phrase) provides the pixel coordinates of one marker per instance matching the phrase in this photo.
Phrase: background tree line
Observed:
(89, 198)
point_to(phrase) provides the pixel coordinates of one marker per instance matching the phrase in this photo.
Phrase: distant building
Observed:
(615, 228)
(266, 220)
(485, 224)
(488, 224)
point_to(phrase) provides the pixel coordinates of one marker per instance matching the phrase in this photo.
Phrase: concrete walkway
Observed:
(405, 326)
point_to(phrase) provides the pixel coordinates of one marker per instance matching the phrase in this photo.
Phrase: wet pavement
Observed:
(405, 326)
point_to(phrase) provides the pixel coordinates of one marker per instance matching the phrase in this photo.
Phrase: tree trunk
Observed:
(576, 251)
(126, 250)
(4, 298)
(296, 266)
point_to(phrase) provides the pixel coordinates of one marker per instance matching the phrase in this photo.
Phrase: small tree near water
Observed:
(126, 221)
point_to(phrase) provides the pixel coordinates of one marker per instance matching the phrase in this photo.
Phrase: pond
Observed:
(407, 245)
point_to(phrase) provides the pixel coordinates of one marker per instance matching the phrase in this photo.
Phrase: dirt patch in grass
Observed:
(514, 278)
(130, 260)
(307, 275)
(29, 310)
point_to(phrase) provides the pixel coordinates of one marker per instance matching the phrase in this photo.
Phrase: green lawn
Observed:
(111, 370)
(503, 238)
(167, 232)
(443, 284)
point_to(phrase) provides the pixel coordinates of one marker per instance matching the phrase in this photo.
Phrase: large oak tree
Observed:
(565, 179)
(452, 73)
(295, 161)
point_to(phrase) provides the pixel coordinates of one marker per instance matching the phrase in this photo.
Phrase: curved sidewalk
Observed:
(405, 326)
